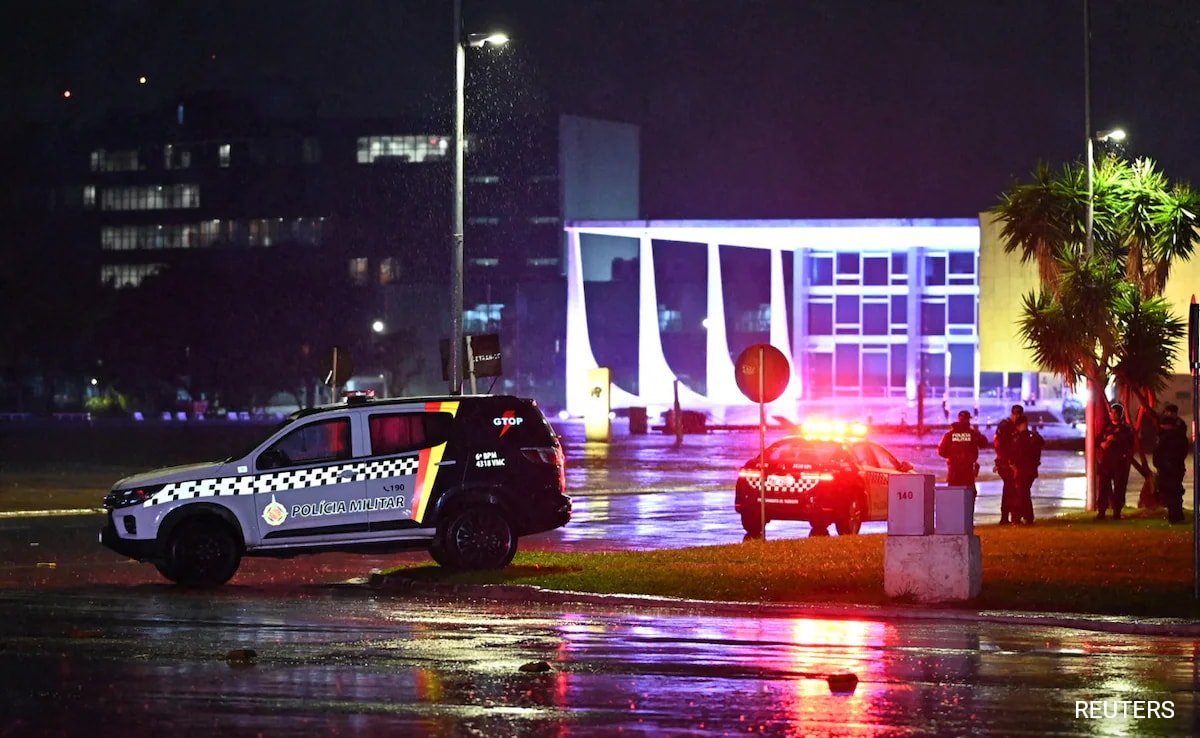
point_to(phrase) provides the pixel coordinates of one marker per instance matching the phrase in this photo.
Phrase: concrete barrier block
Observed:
(943, 568)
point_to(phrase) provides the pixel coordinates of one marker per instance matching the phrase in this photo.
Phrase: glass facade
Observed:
(864, 324)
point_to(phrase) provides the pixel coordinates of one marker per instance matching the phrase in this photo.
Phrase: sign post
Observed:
(336, 369)
(762, 373)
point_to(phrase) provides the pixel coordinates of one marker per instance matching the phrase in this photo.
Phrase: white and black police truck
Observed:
(463, 476)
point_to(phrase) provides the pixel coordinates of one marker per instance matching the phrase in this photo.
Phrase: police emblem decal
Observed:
(274, 513)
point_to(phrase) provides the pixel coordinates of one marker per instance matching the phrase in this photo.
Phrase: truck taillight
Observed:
(549, 455)
(542, 455)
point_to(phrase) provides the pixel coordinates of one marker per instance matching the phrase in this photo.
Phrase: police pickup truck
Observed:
(462, 476)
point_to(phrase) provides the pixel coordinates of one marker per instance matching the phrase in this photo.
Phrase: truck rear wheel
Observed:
(476, 537)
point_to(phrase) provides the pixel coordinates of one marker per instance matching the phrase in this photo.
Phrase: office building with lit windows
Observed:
(370, 200)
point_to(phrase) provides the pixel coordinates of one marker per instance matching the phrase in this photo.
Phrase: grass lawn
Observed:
(1140, 566)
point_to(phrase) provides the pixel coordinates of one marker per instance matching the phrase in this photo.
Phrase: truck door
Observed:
(308, 486)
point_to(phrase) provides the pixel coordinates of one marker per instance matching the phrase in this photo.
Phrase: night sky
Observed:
(748, 108)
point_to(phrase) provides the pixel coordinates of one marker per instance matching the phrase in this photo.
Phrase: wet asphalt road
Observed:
(103, 660)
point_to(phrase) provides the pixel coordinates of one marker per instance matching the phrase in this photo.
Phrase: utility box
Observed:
(910, 505)
(954, 511)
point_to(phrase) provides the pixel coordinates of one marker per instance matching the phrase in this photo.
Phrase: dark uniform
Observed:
(1114, 456)
(1001, 442)
(1170, 456)
(960, 448)
(1025, 455)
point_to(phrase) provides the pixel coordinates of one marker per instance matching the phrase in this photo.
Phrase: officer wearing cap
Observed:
(960, 448)
(1114, 456)
(1170, 456)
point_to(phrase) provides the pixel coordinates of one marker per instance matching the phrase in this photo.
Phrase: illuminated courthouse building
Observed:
(870, 313)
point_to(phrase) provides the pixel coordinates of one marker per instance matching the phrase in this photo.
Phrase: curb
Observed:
(401, 585)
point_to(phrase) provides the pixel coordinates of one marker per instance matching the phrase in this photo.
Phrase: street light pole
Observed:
(461, 41)
(456, 245)
(1089, 409)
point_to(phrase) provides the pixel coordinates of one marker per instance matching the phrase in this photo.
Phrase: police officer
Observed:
(960, 448)
(1002, 442)
(1114, 456)
(1025, 455)
(1169, 457)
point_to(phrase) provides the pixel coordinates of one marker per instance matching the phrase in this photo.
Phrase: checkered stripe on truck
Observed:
(282, 481)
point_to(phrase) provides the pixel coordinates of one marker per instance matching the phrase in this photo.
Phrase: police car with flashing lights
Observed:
(829, 474)
(462, 476)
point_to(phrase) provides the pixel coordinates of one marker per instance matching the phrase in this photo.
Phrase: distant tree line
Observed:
(234, 330)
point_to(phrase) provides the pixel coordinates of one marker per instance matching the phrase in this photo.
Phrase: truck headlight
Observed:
(120, 498)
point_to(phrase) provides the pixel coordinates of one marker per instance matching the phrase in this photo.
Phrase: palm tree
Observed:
(1101, 315)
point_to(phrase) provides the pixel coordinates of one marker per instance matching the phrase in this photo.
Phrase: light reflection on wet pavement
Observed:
(644, 492)
(336, 665)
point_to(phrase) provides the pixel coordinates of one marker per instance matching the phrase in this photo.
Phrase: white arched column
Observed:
(656, 381)
(721, 381)
(779, 329)
(580, 358)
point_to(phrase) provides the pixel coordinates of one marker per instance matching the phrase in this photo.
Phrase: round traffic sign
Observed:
(762, 372)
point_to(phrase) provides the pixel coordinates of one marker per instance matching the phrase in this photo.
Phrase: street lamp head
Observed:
(1116, 134)
(479, 39)
(378, 326)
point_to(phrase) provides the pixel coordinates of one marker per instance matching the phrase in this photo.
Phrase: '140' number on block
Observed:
(906, 494)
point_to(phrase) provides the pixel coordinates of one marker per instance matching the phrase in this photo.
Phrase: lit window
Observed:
(401, 149)
(485, 261)
(156, 197)
(483, 318)
(89, 197)
(359, 270)
(223, 154)
(543, 219)
(483, 220)
(176, 158)
(483, 179)
(212, 231)
(542, 261)
(115, 161)
(118, 276)
(389, 270)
